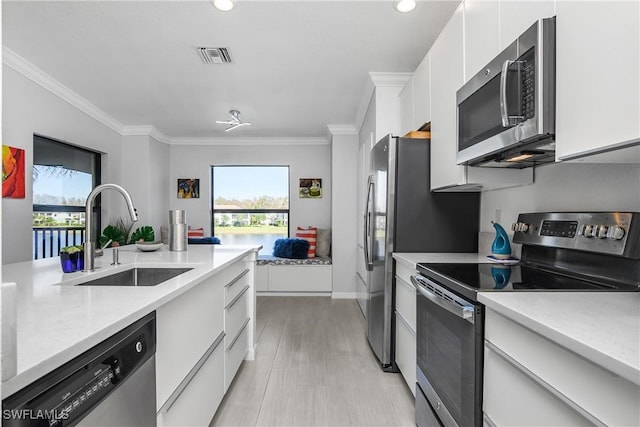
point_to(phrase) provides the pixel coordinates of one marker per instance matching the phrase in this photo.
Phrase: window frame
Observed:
(96, 180)
(249, 211)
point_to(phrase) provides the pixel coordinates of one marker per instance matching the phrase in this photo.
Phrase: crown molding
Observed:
(250, 141)
(342, 130)
(30, 71)
(390, 79)
(148, 130)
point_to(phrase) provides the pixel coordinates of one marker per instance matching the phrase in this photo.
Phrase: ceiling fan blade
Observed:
(227, 122)
(232, 127)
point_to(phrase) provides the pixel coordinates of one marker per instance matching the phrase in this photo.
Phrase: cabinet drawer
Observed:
(236, 312)
(300, 278)
(235, 270)
(609, 398)
(186, 328)
(512, 398)
(404, 272)
(236, 285)
(406, 300)
(406, 351)
(236, 350)
(197, 403)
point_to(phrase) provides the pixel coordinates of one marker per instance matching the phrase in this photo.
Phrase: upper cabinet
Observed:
(598, 76)
(517, 16)
(482, 35)
(414, 99)
(446, 77)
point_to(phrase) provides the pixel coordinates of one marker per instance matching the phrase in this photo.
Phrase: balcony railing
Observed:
(47, 241)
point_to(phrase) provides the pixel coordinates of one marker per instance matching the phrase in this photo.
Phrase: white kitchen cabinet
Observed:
(597, 68)
(447, 76)
(405, 325)
(202, 338)
(531, 380)
(517, 16)
(406, 108)
(196, 404)
(186, 328)
(481, 34)
(421, 94)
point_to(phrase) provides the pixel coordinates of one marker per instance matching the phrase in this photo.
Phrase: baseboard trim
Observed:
(292, 294)
(344, 295)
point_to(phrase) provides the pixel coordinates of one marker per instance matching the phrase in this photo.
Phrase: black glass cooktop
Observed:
(499, 277)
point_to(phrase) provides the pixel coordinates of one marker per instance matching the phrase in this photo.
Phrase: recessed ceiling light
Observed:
(224, 5)
(405, 5)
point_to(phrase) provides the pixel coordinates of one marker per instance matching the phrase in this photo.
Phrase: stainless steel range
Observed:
(561, 252)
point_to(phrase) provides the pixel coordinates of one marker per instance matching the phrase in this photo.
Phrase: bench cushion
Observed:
(272, 260)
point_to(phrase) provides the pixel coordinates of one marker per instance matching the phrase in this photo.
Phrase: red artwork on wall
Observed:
(12, 172)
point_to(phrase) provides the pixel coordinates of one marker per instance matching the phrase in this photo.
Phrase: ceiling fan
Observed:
(235, 121)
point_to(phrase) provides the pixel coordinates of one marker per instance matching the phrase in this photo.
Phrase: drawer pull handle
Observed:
(192, 373)
(235, 300)
(236, 279)
(244, 325)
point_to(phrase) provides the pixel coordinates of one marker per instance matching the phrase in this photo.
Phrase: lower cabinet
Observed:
(405, 329)
(531, 380)
(195, 403)
(406, 351)
(202, 338)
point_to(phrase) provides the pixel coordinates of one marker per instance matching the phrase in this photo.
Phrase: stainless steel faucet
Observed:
(89, 239)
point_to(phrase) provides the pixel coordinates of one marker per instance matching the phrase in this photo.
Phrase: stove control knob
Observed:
(602, 231)
(520, 226)
(616, 232)
(589, 230)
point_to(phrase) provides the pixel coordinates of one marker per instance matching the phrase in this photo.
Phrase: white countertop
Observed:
(413, 258)
(603, 327)
(57, 321)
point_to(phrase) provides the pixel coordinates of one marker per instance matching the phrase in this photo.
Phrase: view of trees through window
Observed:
(250, 204)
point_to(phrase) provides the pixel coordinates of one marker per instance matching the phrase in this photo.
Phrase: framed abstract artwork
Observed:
(13, 172)
(188, 188)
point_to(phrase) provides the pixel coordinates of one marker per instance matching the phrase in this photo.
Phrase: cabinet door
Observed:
(447, 73)
(517, 16)
(421, 94)
(186, 328)
(480, 34)
(512, 398)
(406, 108)
(406, 351)
(597, 66)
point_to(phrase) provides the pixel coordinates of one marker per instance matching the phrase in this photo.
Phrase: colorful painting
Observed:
(310, 188)
(12, 172)
(188, 188)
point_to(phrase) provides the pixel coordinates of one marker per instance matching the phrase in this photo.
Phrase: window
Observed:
(250, 204)
(63, 177)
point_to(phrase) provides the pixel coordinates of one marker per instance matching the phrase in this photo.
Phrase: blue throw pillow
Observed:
(291, 248)
(204, 240)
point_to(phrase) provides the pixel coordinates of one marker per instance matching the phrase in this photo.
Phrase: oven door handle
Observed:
(465, 313)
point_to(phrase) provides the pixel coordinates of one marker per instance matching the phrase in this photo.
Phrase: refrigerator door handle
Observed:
(367, 225)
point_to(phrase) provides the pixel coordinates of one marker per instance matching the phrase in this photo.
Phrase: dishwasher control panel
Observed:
(66, 395)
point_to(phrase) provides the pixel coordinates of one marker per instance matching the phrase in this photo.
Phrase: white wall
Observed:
(565, 187)
(304, 161)
(145, 163)
(27, 109)
(344, 202)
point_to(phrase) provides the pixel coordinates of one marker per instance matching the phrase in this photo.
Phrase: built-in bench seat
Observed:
(292, 276)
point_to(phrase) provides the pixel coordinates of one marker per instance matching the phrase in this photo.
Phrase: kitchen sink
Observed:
(140, 276)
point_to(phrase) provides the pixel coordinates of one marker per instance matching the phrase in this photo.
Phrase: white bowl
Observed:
(148, 246)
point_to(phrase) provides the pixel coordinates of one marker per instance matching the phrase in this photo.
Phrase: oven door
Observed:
(450, 334)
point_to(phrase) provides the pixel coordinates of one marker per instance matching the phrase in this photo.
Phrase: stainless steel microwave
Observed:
(506, 112)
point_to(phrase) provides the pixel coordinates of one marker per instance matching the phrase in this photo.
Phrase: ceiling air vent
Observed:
(214, 55)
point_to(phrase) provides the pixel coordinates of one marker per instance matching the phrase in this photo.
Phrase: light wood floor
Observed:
(314, 367)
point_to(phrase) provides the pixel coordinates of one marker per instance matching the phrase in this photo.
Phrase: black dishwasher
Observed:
(111, 384)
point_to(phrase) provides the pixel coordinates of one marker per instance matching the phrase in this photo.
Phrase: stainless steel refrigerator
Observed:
(403, 215)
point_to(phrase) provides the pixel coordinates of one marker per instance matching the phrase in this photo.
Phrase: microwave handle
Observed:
(504, 109)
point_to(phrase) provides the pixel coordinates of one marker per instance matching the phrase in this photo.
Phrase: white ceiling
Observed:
(298, 65)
